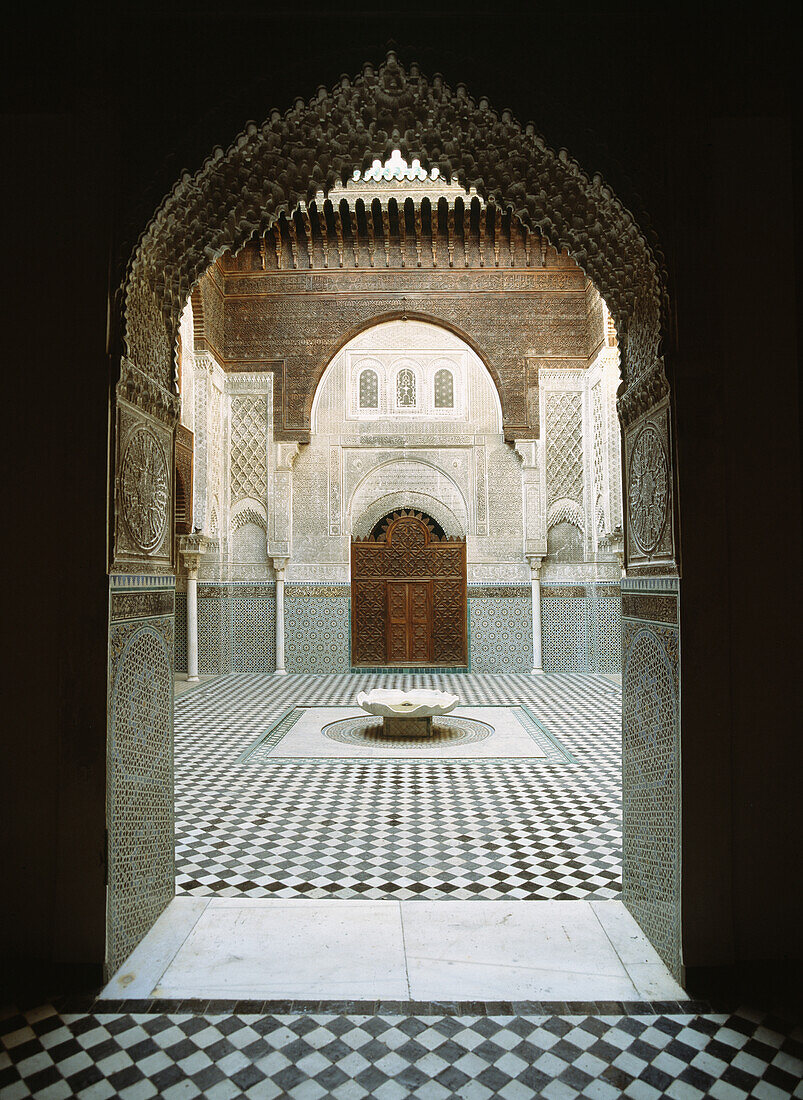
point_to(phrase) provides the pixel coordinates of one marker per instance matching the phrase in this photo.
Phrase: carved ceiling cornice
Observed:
(272, 168)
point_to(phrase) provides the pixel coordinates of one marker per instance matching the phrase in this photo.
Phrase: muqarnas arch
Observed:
(269, 170)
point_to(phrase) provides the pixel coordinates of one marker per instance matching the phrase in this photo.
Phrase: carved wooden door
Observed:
(409, 605)
(408, 591)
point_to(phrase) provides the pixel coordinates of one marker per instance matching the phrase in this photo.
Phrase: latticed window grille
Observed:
(369, 390)
(405, 389)
(444, 389)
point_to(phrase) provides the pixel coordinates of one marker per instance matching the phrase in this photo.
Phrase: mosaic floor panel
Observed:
(58, 1053)
(398, 829)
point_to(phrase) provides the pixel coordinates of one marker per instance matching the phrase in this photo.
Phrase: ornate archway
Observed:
(241, 191)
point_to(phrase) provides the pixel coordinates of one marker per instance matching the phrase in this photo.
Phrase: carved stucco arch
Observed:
(345, 338)
(363, 525)
(268, 169)
(355, 504)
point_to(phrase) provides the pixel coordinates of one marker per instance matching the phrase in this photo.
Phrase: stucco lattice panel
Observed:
(215, 454)
(651, 785)
(564, 632)
(564, 446)
(253, 636)
(181, 631)
(140, 810)
(500, 634)
(614, 456)
(248, 457)
(317, 634)
(598, 457)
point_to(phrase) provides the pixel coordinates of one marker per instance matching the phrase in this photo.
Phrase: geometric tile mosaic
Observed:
(317, 634)
(501, 634)
(607, 634)
(651, 783)
(181, 631)
(50, 1051)
(253, 635)
(565, 632)
(236, 634)
(388, 829)
(140, 775)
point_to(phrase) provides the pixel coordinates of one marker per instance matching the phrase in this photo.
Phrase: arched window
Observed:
(444, 389)
(405, 389)
(369, 389)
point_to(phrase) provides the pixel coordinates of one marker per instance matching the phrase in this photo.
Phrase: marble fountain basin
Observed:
(407, 713)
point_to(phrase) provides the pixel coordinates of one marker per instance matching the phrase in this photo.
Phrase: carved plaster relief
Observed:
(143, 527)
(649, 493)
(481, 491)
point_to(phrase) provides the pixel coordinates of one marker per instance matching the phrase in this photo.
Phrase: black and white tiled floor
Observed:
(57, 1053)
(517, 828)
(387, 829)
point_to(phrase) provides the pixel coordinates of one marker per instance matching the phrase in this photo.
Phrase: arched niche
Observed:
(363, 524)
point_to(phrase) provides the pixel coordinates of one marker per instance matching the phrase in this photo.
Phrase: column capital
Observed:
(535, 562)
(192, 548)
(195, 543)
(286, 454)
(279, 566)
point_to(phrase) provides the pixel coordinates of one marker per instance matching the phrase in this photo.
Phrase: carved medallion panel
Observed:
(143, 528)
(648, 491)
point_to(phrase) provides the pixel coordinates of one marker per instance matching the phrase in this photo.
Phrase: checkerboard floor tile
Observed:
(387, 829)
(57, 1054)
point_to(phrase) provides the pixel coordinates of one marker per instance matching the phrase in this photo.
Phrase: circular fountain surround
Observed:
(444, 733)
(407, 713)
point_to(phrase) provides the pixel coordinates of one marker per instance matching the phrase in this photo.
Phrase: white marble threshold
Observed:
(252, 948)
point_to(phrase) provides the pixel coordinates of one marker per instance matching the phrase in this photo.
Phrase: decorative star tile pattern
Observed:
(386, 829)
(47, 1052)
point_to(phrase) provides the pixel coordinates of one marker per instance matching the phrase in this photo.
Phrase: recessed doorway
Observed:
(408, 594)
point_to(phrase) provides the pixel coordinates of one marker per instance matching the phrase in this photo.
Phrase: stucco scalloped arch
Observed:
(408, 463)
(398, 315)
(268, 169)
(451, 524)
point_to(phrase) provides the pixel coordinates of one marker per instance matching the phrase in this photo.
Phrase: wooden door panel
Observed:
(397, 642)
(397, 602)
(408, 596)
(419, 602)
(419, 641)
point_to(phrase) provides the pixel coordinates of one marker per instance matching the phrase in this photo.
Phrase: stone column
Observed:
(535, 585)
(191, 548)
(192, 562)
(279, 564)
